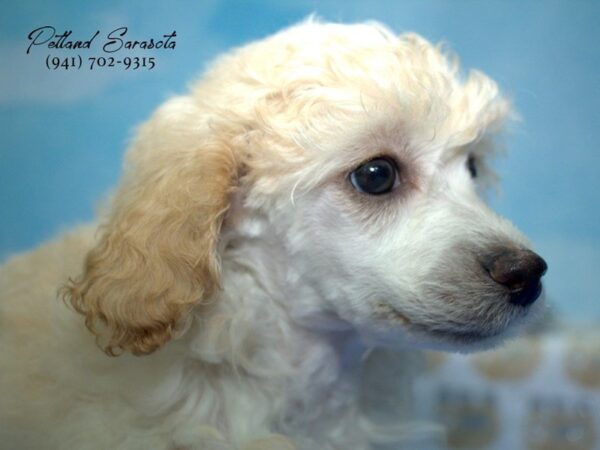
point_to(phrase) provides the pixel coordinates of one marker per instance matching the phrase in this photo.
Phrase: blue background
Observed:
(62, 134)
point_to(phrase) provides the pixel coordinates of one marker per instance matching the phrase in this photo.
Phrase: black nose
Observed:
(520, 271)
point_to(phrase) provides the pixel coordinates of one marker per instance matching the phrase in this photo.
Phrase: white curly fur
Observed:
(238, 258)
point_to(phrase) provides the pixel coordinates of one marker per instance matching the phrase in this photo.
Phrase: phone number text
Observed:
(99, 62)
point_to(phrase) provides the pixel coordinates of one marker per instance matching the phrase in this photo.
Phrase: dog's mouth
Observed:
(456, 336)
(448, 334)
(386, 312)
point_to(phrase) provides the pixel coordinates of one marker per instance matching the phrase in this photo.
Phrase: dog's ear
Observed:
(156, 257)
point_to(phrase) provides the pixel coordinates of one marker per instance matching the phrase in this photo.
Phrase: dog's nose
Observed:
(520, 271)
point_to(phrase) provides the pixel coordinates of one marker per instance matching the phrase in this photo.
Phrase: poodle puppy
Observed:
(314, 196)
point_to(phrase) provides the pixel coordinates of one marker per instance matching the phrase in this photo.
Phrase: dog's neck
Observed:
(264, 329)
(309, 368)
(255, 321)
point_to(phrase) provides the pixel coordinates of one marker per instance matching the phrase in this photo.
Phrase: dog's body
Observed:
(60, 391)
(245, 233)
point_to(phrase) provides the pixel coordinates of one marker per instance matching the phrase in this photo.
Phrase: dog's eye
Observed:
(376, 177)
(472, 166)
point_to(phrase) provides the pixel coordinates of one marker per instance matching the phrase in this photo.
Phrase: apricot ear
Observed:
(157, 255)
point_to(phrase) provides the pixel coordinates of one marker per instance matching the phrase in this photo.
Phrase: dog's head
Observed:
(355, 156)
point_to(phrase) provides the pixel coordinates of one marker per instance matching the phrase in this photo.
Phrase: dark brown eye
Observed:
(472, 166)
(376, 177)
